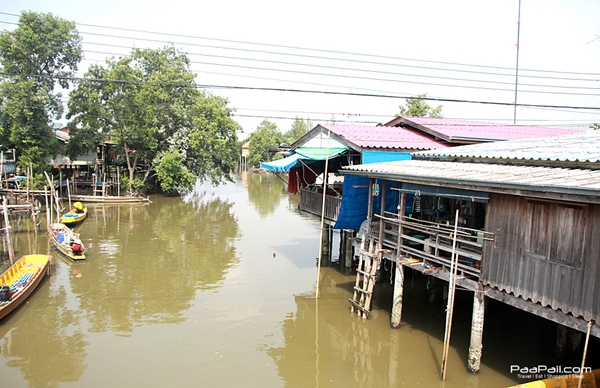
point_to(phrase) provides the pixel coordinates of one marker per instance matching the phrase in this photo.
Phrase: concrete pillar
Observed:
(342, 248)
(432, 289)
(575, 339)
(397, 299)
(348, 254)
(561, 341)
(474, 358)
(326, 244)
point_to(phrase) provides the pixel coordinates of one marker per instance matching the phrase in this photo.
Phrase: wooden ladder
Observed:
(366, 276)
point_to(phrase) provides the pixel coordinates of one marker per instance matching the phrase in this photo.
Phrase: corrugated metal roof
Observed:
(577, 147)
(488, 176)
(464, 130)
(385, 137)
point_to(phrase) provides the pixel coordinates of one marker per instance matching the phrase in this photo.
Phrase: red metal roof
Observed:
(385, 137)
(458, 131)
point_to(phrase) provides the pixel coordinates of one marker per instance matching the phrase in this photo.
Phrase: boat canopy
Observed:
(320, 153)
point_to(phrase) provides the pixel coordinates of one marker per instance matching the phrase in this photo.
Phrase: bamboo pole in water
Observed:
(323, 213)
(11, 252)
(450, 306)
(48, 208)
(69, 193)
(587, 340)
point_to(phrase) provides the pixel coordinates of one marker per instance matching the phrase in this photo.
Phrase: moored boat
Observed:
(110, 199)
(66, 241)
(75, 215)
(20, 280)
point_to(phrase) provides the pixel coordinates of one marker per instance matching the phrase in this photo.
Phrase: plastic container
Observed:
(4, 293)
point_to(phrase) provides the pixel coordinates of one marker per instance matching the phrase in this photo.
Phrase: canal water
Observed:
(217, 289)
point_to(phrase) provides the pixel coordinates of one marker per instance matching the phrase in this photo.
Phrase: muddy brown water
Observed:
(217, 289)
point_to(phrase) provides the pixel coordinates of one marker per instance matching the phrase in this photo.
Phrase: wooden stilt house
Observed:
(520, 218)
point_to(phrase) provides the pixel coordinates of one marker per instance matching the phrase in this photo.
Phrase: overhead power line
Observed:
(211, 86)
(353, 54)
(355, 70)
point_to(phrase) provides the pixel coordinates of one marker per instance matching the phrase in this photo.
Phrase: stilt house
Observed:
(517, 220)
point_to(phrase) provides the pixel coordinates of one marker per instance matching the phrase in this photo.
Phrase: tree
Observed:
(417, 107)
(38, 56)
(265, 136)
(595, 126)
(149, 103)
(299, 128)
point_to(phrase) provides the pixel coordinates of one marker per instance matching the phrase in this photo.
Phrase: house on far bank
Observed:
(515, 221)
(94, 172)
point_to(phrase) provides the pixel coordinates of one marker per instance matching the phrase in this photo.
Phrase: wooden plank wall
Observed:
(509, 264)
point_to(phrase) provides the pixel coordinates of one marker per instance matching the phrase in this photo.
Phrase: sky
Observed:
(356, 62)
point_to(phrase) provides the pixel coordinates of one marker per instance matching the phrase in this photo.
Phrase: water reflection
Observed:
(41, 340)
(146, 255)
(265, 191)
(217, 289)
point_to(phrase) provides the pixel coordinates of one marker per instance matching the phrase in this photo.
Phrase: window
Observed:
(556, 233)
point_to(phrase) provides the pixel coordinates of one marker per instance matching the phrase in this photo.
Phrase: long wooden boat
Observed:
(20, 280)
(75, 215)
(109, 199)
(66, 241)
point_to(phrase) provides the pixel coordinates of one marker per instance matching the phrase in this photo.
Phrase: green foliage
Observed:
(172, 175)
(595, 126)
(37, 58)
(34, 157)
(417, 107)
(299, 128)
(135, 185)
(265, 136)
(149, 103)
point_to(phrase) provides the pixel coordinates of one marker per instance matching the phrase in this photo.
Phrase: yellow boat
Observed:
(590, 380)
(75, 215)
(19, 281)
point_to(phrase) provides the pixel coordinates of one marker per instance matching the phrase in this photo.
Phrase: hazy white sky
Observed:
(356, 60)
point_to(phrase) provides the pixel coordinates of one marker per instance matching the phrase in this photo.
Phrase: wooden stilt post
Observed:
(397, 299)
(474, 358)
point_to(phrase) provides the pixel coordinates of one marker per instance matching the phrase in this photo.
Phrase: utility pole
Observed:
(517, 67)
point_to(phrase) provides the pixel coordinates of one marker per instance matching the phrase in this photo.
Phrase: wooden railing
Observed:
(431, 242)
(312, 202)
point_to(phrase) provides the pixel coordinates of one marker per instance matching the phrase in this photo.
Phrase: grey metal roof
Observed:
(485, 176)
(578, 147)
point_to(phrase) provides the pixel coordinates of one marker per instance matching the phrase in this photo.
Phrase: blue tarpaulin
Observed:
(355, 201)
(282, 165)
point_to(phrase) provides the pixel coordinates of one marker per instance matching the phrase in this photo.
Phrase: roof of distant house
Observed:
(576, 147)
(384, 137)
(466, 132)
